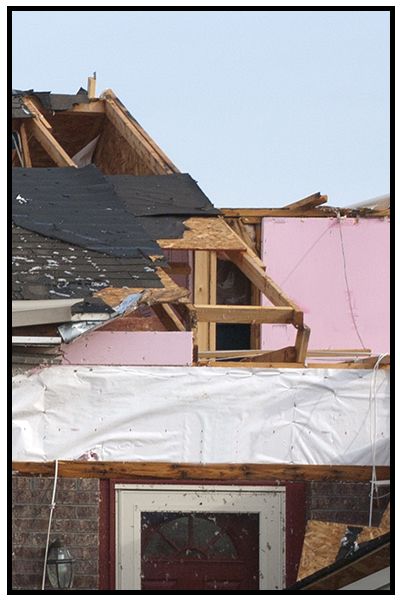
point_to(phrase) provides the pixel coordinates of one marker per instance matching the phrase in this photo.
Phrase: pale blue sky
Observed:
(260, 107)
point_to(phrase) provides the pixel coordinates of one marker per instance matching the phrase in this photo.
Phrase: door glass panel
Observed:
(200, 550)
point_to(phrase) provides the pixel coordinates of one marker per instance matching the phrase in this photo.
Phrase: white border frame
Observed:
(267, 501)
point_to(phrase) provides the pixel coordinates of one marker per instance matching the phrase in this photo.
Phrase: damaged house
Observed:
(200, 394)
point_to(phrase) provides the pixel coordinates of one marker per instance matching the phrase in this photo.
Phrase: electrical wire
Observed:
(347, 283)
(52, 507)
(373, 424)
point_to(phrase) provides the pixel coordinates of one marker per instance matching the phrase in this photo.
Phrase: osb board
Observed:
(75, 131)
(322, 542)
(114, 156)
(202, 233)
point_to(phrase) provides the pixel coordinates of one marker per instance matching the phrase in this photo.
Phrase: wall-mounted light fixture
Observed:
(60, 570)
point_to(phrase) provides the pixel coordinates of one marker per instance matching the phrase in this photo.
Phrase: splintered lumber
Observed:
(205, 233)
(137, 138)
(253, 215)
(221, 313)
(184, 471)
(308, 202)
(301, 343)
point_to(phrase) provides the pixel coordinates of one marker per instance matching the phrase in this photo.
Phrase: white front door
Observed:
(172, 537)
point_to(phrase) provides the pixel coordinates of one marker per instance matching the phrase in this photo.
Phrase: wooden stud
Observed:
(182, 471)
(201, 294)
(25, 146)
(222, 313)
(91, 91)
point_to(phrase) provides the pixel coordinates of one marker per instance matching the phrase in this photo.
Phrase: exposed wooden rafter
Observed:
(135, 135)
(308, 202)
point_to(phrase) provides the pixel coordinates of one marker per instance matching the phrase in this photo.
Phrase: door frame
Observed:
(268, 501)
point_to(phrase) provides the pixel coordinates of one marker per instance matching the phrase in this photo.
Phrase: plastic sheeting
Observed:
(201, 415)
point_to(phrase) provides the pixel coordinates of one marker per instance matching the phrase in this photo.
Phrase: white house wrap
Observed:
(202, 415)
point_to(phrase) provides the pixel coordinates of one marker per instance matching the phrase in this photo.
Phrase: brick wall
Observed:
(75, 521)
(344, 502)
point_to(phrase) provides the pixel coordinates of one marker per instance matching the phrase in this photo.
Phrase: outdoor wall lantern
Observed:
(60, 569)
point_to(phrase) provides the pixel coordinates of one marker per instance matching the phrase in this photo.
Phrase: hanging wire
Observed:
(17, 146)
(52, 507)
(373, 425)
(347, 283)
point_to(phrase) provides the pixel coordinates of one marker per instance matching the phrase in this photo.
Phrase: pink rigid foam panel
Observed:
(337, 273)
(165, 348)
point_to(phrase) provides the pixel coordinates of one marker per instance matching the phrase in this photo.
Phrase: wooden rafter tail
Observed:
(307, 203)
(136, 136)
(301, 344)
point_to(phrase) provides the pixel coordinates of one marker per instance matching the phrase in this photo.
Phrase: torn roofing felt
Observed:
(48, 268)
(78, 206)
(161, 203)
(157, 195)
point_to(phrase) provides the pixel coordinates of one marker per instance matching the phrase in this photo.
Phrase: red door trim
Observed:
(295, 522)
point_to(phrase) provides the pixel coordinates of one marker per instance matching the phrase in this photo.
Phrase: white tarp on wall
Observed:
(200, 414)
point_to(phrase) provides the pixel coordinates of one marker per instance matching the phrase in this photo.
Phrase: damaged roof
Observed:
(49, 101)
(45, 267)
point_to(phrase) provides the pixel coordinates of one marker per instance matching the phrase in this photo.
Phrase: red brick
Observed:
(87, 512)
(76, 525)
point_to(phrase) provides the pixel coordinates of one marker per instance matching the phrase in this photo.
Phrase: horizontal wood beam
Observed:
(91, 108)
(221, 313)
(186, 471)
(297, 365)
(324, 211)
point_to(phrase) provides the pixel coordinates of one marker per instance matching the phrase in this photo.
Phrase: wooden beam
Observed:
(222, 313)
(50, 144)
(205, 293)
(168, 317)
(250, 266)
(308, 202)
(301, 343)
(25, 146)
(176, 268)
(296, 365)
(33, 107)
(187, 471)
(96, 107)
(323, 211)
(136, 137)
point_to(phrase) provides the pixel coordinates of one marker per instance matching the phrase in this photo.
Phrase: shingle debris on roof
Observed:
(79, 206)
(47, 268)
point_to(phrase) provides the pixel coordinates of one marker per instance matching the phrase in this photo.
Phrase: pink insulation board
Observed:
(165, 348)
(337, 272)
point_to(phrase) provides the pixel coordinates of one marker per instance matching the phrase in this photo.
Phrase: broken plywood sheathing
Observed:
(208, 234)
(323, 539)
